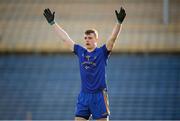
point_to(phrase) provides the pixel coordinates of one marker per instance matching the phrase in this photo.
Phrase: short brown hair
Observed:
(89, 31)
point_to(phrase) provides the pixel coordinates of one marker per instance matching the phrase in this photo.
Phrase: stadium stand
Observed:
(140, 87)
(23, 27)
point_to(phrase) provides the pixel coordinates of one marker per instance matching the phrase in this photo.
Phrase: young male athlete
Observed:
(92, 99)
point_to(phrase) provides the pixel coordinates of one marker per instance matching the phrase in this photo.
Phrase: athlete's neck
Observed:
(92, 49)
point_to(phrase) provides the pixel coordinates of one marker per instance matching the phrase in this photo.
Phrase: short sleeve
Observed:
(106, 52)
(78, 49)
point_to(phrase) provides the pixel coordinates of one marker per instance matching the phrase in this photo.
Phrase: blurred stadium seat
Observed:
(142, 85)
(24, 28)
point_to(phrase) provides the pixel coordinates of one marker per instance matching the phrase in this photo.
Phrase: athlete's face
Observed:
(90, 41)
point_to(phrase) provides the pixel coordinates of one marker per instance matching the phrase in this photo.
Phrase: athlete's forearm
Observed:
(114, 35)
(115, 32)
(61, 32)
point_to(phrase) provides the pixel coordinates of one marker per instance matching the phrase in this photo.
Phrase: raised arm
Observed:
(61, 32)
(117, 28)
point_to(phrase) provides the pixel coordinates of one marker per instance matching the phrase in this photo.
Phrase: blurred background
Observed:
(39, 76)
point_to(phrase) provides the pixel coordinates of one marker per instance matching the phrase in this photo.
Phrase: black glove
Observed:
(49, 16)
(121, 15)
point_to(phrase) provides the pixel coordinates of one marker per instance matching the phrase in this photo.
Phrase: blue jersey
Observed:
(92, 68)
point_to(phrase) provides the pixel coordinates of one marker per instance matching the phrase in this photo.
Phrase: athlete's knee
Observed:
(80, 119)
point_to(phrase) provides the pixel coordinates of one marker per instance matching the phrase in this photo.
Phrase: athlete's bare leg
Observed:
(103, 119)
(80, 119)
